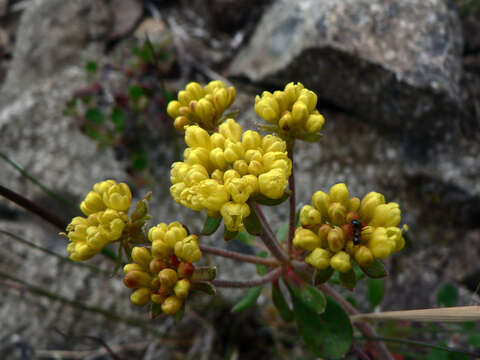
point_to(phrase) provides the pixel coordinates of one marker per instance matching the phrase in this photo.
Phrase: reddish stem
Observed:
(238, 256)
(291, 184)
(269, 238)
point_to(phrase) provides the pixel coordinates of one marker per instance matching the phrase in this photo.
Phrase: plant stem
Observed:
(291, 184)
(271, 276)
(365, 329)
(269, 238)
(40, 291)
(238, 256)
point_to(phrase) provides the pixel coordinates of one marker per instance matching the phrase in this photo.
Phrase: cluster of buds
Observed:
(222, 171)
(106, 208)
(293, 110)
(201, 105)
(338, 227)
(162, 275)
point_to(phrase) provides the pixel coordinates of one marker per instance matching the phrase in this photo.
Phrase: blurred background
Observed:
(84, 86)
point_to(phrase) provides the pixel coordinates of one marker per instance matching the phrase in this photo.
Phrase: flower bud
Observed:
(272, 143)
(157, 265)
(231, 130)
(354, 204)
(185, 270)
(142, 257)
(367, 232)
(93, 203)
(337, 213)
(230, 174)
(369, 203)
(137, 279)
(339, 193)
(233, 215)
(157, 298)
(241, 166)
(309, 98)
(195, 90)
(299, 114)
(140, 297)
(293, 91)
(217, 175)
(195, 175)
(267, 107)
(211, 194)
(379, 244)
(282, 100)
(310, 216)
(217, 158)
(251, 140)
(188, 249)
(195, 136)
(395, 237)
(205, 111)
(321, 201)
(171, 305)
(341, 262)
(184, 97)
(323, 233)
(319, 258)
(363, 256)
(314, 123)
(157, 232)
(239, 189)
(272, 184)
(181, 289)
(173, 108)
(118, 197)
(336, 239)
(132, 267)
(252, 180)
(181, 122)
(286, 122)
(306, 239)
(168, 277)
(386, 215)
(217, 140)
(198, 156)
(174, 235)
(178, 172)
(160, 249)
(233, 151)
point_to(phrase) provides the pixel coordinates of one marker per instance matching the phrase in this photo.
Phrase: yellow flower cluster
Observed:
(201, 105)
(222, 171)
(338, 227)
(162, 275)
(293, 109)
(106, 208)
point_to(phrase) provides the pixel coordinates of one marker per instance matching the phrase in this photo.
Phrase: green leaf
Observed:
(139, 161)
(179, 314)
(248, 300)
(313, 298)
(375, 270)
(263, 200)
(281, 304)
(118, 119)
(141, 210)
(447, 295)
(375, 291)
(204, 287)
(92, 133)
(474, 340)
(204, 273)
(156, 310)
(91, 67)
(95, 116)
(348, 279)
(328, 335)
(282, 232)
(135, 92)
(322, 276)
(228, 235)
(245, 238)
(309, 137)
(252, 223)
(262, 269)
(211, 225)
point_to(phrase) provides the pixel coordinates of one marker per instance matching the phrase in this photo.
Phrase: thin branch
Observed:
(238, 256)
(54, 254)
(40, 291)
(292, 215)
(32, 207)
(271, 276)
(269, 238)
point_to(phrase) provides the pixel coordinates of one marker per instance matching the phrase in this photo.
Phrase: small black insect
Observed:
(357, 228)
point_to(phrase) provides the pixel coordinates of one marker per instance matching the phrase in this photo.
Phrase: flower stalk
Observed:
(238, 256)
(271, 276)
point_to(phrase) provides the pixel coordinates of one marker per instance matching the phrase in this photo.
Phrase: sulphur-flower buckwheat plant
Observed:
(201, 105)
(230, 174)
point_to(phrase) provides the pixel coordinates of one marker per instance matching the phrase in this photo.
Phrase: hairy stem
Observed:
(271, 276)
(365, 329)
(238, 256)
(291, 184)
(269, 238)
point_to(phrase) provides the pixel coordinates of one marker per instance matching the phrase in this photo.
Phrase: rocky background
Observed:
(398, 83)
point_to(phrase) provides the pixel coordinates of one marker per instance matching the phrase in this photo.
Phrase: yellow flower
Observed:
(306, 239)
(171, 305)
(341, 262)
(201, 105)
(293, 110)
(310, 216)
(272, 184)
(233, 215)
(188, 249)
(319, 258)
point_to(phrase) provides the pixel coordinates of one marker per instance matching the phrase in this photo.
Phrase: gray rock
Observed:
(395, 63)
(54, 34)
(126, 13)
